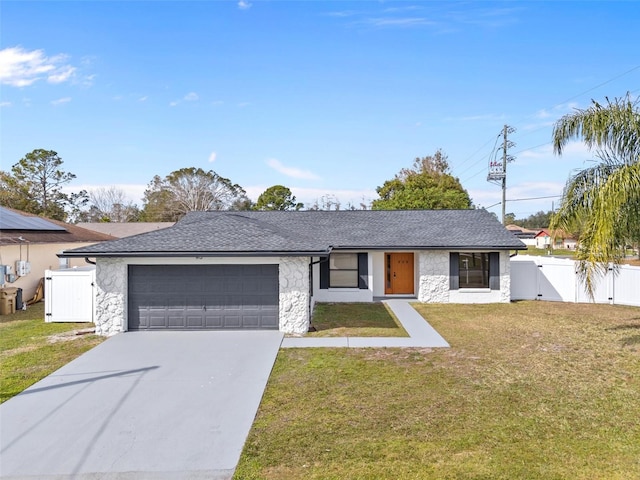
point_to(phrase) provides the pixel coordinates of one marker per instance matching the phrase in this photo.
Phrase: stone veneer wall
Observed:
(294, 295)
(505, 277)
(111, 296)
(433, 280)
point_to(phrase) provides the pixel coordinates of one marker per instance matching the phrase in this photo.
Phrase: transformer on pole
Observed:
(498, 166)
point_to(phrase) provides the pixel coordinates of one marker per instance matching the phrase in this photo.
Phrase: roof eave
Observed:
(192, 254)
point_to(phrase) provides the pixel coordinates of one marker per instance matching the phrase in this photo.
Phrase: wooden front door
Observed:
(399, 273)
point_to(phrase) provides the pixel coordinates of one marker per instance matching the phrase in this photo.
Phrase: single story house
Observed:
(265, 270)
(29, 245)
(546, 238)
(527, 236)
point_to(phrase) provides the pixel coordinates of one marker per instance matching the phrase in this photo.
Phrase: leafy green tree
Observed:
(428, 185)
(539, 219)
(602, 201)
(35, 186)
(277, 197)
(186, 190)
(509, 219)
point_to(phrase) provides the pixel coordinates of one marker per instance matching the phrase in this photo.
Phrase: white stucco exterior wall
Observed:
(345, 294)
(294, 295)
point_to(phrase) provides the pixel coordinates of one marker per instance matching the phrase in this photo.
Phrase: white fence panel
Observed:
(601, 290)
(555, 279)
(626, 286)
(524, 280)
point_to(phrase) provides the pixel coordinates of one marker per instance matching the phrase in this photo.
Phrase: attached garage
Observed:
(203, 297)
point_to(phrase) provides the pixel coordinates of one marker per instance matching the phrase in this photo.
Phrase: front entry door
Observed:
(399, 273)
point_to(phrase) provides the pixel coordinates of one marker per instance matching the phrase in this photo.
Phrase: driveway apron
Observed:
(141, 405)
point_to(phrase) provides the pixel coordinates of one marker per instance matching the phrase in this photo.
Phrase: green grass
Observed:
(542, 252)
(355, 320)
(529, 390)
(31, 349)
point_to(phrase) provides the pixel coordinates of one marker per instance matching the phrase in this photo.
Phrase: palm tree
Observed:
(603, 201)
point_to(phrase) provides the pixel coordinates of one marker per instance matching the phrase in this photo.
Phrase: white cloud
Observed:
(291, 171)
(87, 81)
(143, 99)
(21, 68)
(62, 75)
(212, 157)
(191, 97)
(399, 22)
(60, 101)
(244, 5)
(5, 104)
(174, 103)
(542, 194)
(244, 104)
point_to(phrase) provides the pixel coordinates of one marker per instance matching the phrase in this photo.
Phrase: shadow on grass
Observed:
(628, 326)
(631, 341)
(355, 319)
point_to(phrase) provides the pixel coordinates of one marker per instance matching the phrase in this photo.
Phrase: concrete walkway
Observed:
(421, 334)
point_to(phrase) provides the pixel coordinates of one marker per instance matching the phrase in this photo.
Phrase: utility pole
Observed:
(498, 169)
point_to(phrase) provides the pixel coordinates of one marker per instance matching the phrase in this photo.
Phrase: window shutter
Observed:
(324, 274)
(454, 271)
(363, 271)
(494, 270)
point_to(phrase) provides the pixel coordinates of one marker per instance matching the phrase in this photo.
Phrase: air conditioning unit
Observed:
(22, 268)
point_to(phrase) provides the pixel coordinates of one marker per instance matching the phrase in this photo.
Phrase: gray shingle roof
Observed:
(313, 232)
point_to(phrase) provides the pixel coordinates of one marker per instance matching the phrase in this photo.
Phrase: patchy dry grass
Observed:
(355, 320)
(528, 390)
(31, 349)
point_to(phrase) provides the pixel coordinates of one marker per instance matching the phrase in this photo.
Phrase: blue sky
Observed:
(327, 98)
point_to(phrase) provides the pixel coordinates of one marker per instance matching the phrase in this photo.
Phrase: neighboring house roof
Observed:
(545, 232)
(518, 229)
(312, 233)
(19, 227)
(125, 229)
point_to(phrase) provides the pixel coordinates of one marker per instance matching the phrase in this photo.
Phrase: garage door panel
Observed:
(203, 296)
(232, 321)
(213, 321)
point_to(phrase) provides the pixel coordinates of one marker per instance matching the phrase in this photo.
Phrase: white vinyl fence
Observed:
(555, 279)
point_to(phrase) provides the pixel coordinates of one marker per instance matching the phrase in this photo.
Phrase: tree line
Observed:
(34, 185)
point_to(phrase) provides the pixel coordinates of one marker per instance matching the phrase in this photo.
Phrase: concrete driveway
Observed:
(141, 405)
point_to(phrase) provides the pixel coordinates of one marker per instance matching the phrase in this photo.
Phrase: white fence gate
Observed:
(555, 279)
(69, 294)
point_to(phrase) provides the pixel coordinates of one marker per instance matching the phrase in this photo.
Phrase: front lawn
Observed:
(355, 320)
(31, 349)
(529, 390)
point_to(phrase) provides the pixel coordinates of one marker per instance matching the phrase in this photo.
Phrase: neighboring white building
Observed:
(547, 239)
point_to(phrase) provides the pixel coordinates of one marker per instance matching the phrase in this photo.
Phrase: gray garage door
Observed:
(203, 297)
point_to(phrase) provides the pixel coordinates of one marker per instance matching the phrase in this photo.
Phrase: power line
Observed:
(533, 198)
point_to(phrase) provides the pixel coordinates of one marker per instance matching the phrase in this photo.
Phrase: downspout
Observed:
(311, 264)
(86, 259)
